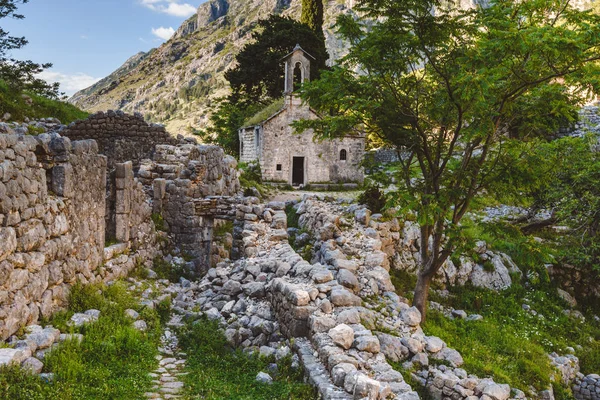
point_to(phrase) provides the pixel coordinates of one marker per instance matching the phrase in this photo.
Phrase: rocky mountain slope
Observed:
(177, 83)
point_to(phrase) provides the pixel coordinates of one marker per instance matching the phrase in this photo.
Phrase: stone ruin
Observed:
(78, 206)
(62, 199)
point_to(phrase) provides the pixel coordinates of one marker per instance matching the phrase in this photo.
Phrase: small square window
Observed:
(278, 167)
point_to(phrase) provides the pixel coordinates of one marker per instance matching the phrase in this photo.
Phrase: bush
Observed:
(373, 198)
(13, 102)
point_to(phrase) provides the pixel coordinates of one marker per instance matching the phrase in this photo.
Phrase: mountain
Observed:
(177, 83)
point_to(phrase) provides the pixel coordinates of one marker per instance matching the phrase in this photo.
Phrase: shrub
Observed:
(373, 198)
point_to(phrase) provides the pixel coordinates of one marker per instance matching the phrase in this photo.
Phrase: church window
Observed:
(343, 155)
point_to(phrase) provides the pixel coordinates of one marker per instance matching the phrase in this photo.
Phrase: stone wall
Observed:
(587, 387)
(177, 180)
(52, 213)
(121, 137)
(383, 155)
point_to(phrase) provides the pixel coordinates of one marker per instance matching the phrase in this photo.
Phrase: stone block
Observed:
(62, 180)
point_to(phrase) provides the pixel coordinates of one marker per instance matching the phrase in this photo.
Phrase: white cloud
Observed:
(163, 33)
(69, 83)
(170, 7)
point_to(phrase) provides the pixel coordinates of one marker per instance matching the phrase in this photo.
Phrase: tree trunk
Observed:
(422, 293)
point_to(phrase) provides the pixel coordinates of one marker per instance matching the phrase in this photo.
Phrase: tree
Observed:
(225, 123)
(312, 15)
(259, 75)
(446, 87)
(20, 75)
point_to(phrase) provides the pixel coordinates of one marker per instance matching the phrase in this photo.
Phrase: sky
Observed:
(86, 40)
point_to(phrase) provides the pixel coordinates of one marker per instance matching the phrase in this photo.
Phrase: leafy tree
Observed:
(312, 15)
(444, 87)
(563, 177)
(225, 123)
(259, 74)
(20, 75)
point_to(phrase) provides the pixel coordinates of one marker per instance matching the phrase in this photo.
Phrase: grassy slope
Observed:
(13, 103)
(511, 344)
(112, 362)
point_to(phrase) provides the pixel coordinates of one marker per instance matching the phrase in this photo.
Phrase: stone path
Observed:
(166, 378)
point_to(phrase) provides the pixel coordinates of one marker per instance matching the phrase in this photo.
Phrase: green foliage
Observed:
(449, 114)
(20, 75)
(159, 222)
(374, 198)
(259, 76)
(169, 271)
(17, 104)
(251, 177)
(511, 344)
(223, 229)
(292, 216)
(225, 123)
(112, 361)
(265, 113)
(216, 371)
(494, 349)
(312, 15)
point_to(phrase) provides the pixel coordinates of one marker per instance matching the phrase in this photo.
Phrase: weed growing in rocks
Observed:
(216, 371)
(170, 271)
(511, 343)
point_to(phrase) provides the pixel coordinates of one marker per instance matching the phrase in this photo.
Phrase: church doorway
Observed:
(298, 171)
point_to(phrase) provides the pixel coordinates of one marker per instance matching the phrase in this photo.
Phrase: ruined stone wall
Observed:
(121, 137)
(383, 155)
(248, 151)
(177, 179)
(52, 213)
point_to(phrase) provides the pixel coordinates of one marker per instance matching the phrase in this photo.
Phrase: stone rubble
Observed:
(350, 235)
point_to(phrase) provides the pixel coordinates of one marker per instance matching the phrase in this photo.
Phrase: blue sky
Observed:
(88, 39)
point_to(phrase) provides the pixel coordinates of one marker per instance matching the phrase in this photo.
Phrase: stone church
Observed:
(298, 159)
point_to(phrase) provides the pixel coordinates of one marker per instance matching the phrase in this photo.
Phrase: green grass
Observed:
(216, 371)
(41, 107)
(265, 113)
(292, 216)
(112, 362)
(510, 344)
(159, 222)
(171, 272)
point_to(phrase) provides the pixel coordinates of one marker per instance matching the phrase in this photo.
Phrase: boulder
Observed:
(342, 335)
(392, 347)
(348, 279)
(497, 392)
(411, 316)
(265, 378)
(32, 365)
(343, 298)
(367, 343)
(11, 356)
